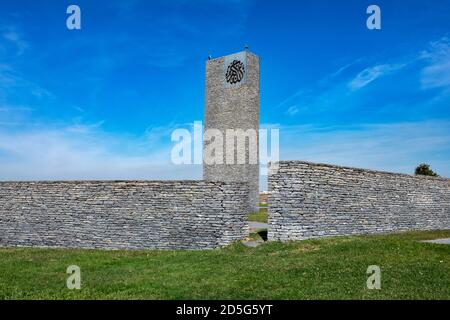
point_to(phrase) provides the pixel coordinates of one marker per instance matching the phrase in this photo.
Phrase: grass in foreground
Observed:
(333, 268)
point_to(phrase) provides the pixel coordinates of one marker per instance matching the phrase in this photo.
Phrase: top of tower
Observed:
(244, 52)
(234, 69)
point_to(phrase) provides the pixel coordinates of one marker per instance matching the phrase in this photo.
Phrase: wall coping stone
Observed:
(356, 169)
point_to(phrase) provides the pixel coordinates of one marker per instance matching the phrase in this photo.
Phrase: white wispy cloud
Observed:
(292, 110)
(393, 147)
(85, 151)
(397, 147)
(437, 73)
(11, 79)
(14, 109)
(11, 34)
(13, 115)
(289, 99)
(7, 77)
(372, 73)
(340, 89)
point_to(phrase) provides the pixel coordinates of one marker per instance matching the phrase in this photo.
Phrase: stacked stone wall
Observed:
(308, 200)
(123, 214)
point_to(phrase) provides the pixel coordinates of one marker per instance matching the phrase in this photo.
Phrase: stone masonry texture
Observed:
(123, 215)
(308, 200)
(233, 108)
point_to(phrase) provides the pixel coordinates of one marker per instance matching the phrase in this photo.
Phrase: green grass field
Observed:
(259, 216)
(333, 268)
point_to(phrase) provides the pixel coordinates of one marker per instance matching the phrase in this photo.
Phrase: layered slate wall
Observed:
(123, 215)
(310, 200)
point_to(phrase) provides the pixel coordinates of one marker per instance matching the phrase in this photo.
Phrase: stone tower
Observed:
(232, 108)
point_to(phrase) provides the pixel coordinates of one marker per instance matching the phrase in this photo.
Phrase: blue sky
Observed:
(101, 102)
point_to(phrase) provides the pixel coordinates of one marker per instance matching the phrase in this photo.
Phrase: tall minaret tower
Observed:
(232, 107)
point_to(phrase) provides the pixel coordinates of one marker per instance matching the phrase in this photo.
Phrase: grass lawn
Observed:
(333, 268)
(259, 216)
